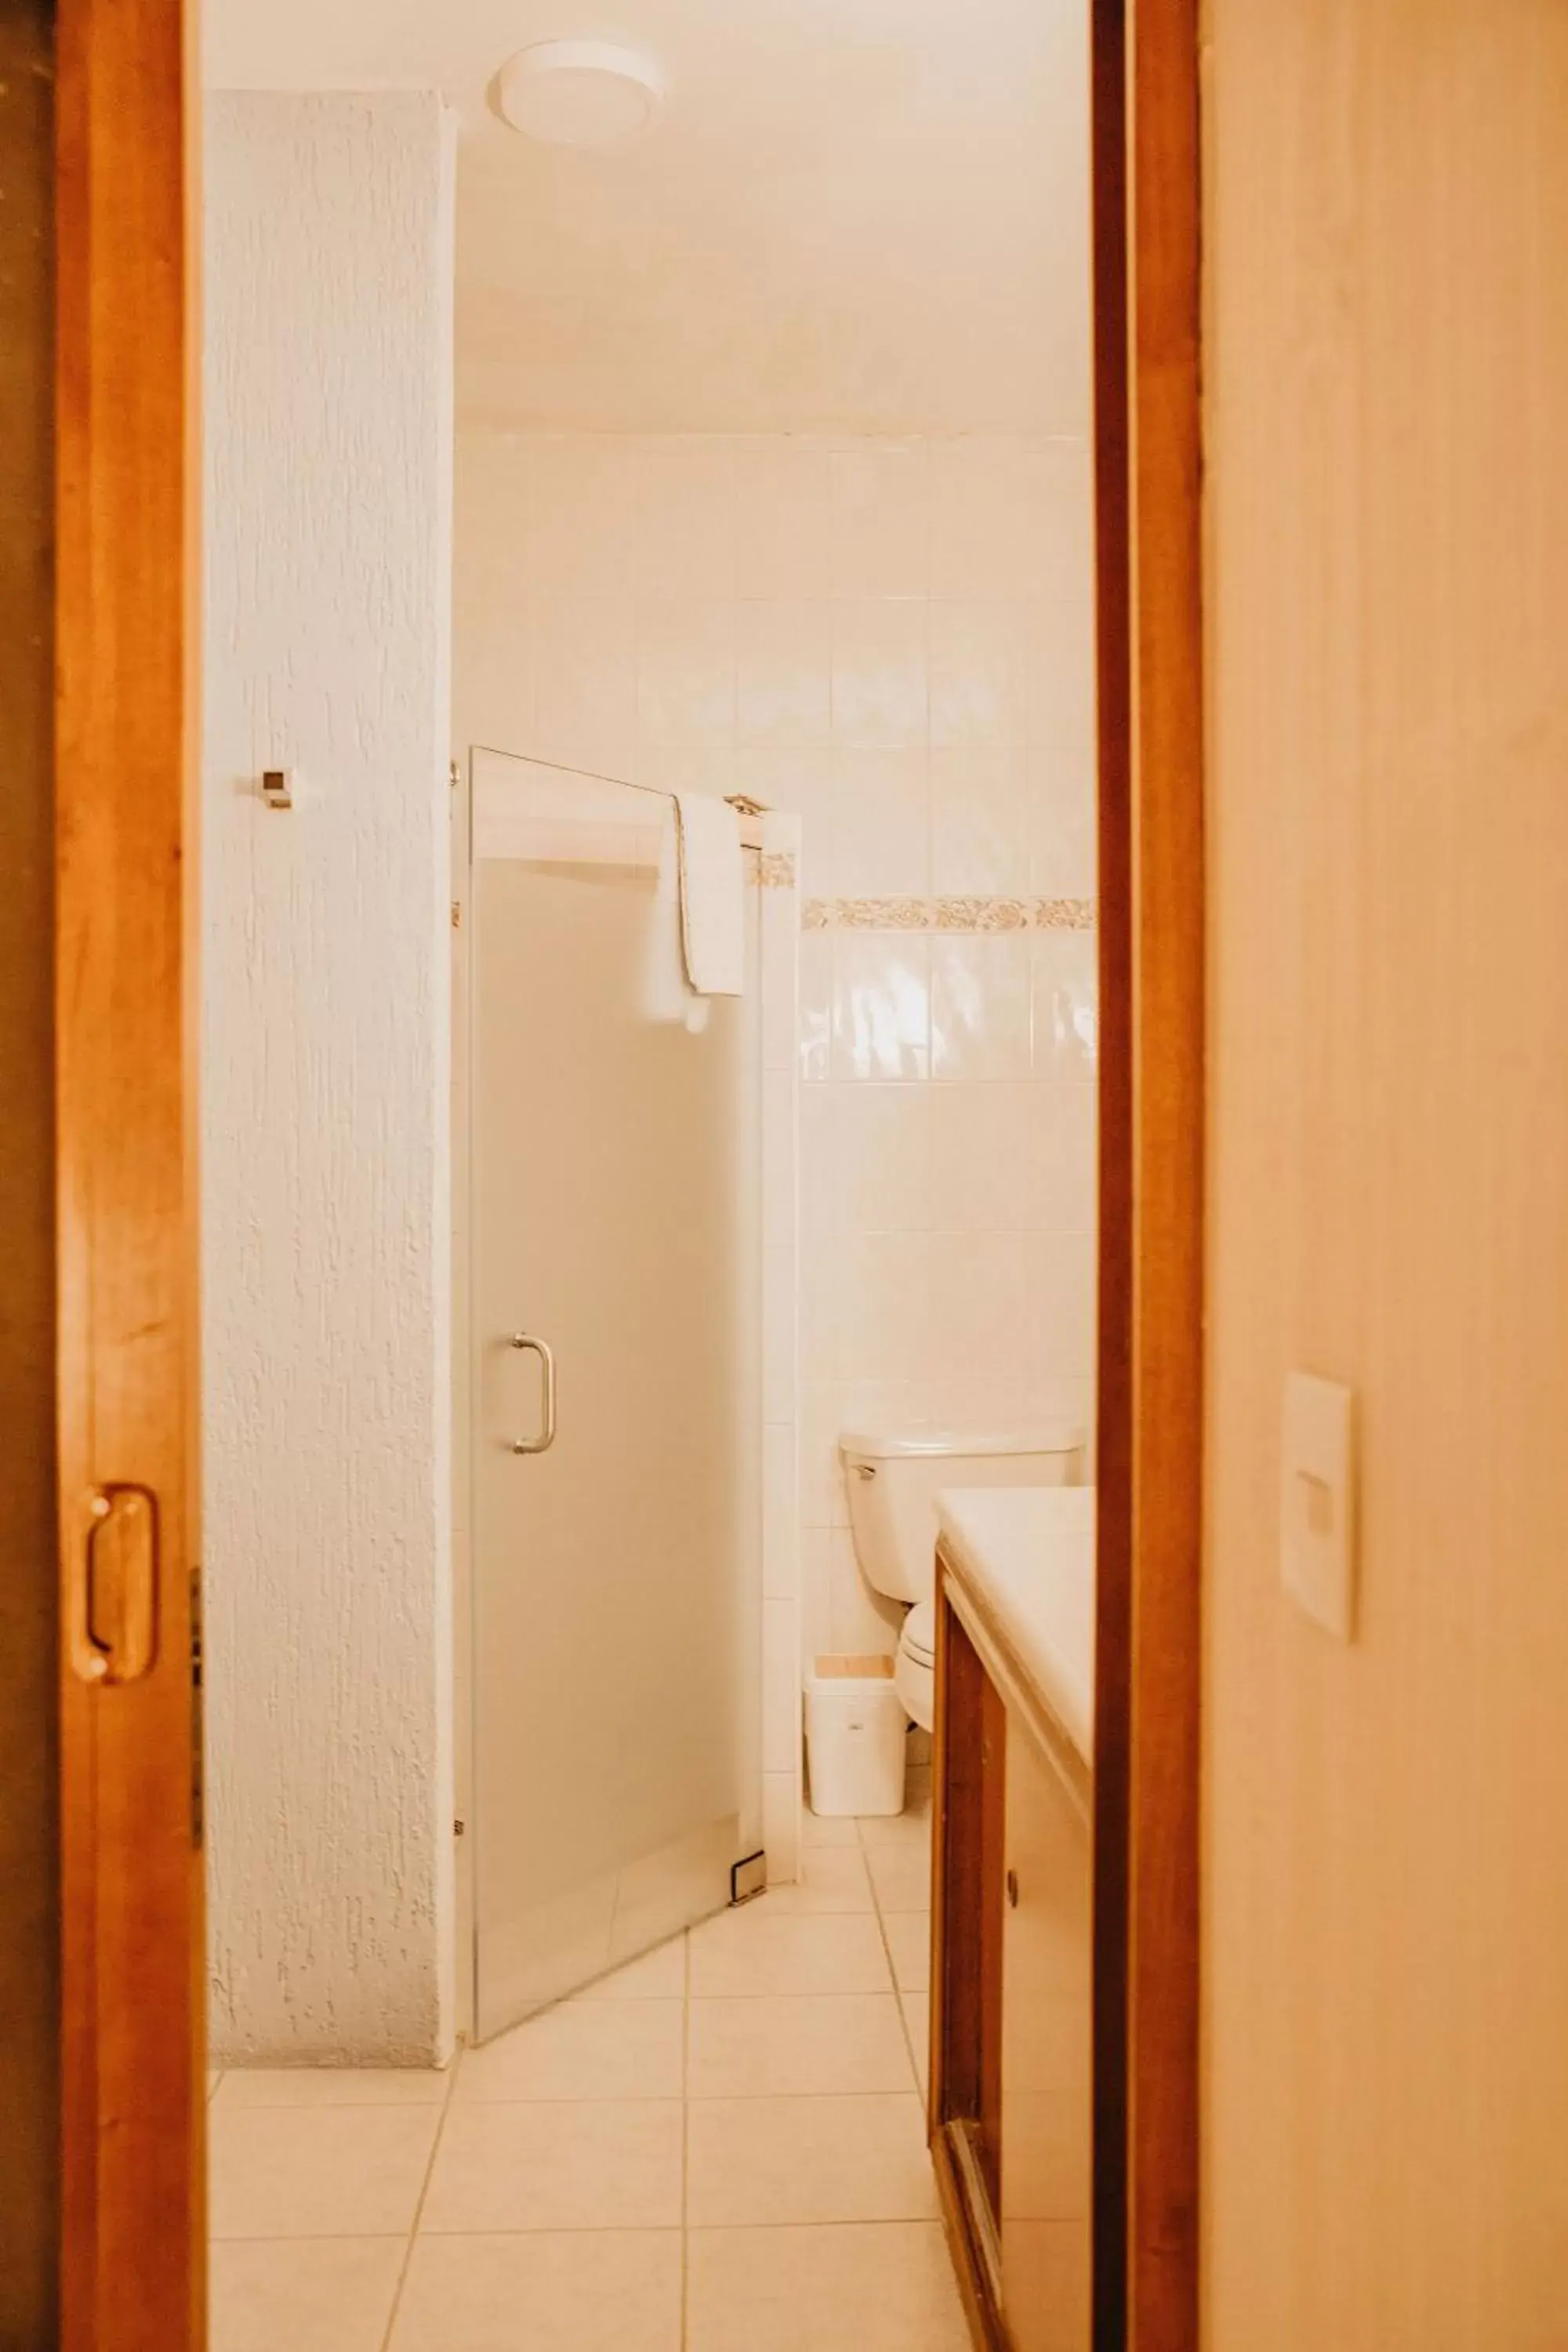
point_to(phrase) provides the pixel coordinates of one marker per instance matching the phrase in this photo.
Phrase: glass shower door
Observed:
(614, 1361)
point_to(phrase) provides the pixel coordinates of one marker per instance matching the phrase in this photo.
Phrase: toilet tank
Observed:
(894, 1477)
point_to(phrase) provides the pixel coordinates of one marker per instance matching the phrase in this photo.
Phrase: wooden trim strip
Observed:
(1113, 1467)
(1167, 1184)
(1150, 1464)
(965, 2230)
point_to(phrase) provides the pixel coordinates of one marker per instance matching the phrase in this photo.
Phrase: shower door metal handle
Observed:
(546, 1354)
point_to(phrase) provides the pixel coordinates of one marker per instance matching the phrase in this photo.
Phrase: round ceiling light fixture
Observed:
(579, 93)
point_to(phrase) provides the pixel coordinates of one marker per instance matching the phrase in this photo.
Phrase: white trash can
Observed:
(854, 1726)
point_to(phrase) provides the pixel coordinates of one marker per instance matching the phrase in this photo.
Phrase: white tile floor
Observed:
(720, 2149)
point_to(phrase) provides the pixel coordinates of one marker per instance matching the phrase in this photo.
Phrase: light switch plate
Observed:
(1318, 1501)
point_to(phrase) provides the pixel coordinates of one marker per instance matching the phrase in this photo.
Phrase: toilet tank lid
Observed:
(914, 1440)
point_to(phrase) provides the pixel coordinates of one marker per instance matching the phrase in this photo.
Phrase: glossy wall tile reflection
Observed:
(881, 1006)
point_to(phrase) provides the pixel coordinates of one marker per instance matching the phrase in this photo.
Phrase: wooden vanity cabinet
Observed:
(1009, 2110)
(968, 1901)
(1047, 2020)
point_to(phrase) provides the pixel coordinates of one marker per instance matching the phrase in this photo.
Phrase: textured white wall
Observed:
(325, 1075)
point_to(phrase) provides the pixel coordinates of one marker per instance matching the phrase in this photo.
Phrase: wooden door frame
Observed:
(125, 648)
(132, 1945)
(1146, 167)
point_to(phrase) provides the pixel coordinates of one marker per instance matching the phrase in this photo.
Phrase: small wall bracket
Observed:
(278, 787)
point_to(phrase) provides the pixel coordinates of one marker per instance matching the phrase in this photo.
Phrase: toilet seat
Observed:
(919, 1636)
(914, 1668)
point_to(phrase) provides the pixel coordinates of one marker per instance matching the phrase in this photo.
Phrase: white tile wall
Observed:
(894, 641)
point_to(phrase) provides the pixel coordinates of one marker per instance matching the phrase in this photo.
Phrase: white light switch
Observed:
(1317, 1501)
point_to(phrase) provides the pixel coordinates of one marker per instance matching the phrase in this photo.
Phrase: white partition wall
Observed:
(325, 1073)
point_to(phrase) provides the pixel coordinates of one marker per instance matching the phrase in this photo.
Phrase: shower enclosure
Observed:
(615, 1421)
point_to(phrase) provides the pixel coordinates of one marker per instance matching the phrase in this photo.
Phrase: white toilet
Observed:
(894, 1477)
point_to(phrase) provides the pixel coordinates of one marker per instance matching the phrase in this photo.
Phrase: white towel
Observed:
(712, 895)
(665, 995)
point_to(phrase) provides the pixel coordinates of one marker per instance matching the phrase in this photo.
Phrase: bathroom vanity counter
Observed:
(1018, 1562)
(1010, 2118)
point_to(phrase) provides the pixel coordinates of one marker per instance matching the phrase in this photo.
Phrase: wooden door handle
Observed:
(112, 1618)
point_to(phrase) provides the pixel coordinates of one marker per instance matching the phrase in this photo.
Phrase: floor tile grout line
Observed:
(334, 2106)
(307, 2237)
(840, 2221)
(569, 2228)
(698, 2099)
(444, 2110)
(608, 2230)
(567, 2099)
(793, 1992)
(785, 2098)
(893, 1973)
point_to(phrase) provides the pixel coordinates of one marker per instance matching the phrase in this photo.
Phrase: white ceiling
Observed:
(862, 216)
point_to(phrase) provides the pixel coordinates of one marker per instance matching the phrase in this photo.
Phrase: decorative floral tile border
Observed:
(776, 870)
(948, 914)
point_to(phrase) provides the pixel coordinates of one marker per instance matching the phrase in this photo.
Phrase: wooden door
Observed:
(131, 1956)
